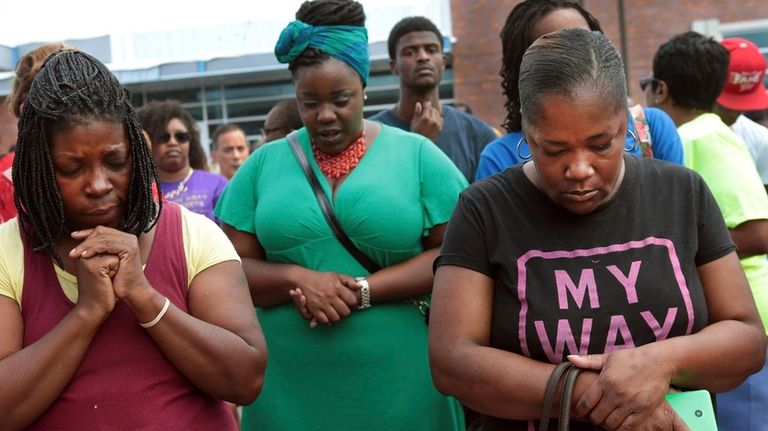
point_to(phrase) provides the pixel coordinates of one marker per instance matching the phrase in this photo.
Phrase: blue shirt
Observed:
(503, 152)
(462, 138)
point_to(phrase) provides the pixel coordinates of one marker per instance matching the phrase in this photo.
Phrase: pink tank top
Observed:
(124, 381)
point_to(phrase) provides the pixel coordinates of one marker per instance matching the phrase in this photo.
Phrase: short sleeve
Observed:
(205, 244)
(441, 183)
(498, 155)
(488, 164)
(666, 142)
(714, 238)
(11, 263)
(464, 243)
(237, 204)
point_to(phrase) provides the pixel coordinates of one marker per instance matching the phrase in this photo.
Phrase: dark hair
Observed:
(325, 12)
(155, 116)
(694, 67)
(72, 88)
(224, 128)
(567, 62)
(409, 25)
(516, 37)
(288, 113)
(26, 69)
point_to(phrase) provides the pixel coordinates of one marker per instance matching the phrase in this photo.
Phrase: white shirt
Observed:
(755, 137)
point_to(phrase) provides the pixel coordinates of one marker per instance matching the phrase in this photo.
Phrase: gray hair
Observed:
(567, 62)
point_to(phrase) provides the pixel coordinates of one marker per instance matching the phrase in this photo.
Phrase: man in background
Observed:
(745, 91)
(230, 148)
(416, 56)
(281, 120)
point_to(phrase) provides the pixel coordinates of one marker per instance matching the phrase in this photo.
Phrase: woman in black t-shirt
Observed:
(576, 255)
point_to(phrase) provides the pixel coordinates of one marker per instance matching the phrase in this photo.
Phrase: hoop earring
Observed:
(519, 153)
(635, 141)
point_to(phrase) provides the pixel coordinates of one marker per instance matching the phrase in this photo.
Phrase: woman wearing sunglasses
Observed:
(180, 159)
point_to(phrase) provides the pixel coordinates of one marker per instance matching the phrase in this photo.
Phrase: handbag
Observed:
(564, 371)
(333, 222)
(694, 407)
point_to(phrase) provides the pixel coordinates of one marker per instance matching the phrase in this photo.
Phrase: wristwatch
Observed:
(365, 293)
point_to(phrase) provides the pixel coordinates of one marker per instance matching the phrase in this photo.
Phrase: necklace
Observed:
(181, 188)
(337, 165)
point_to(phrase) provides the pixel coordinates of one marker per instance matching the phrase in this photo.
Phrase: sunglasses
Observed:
(181, 137)
(648, 81)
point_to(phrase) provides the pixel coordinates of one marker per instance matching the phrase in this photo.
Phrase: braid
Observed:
(72, 88)
(516, 37)
(325, 12)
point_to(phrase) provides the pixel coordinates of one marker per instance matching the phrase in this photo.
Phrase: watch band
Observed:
(365, 293)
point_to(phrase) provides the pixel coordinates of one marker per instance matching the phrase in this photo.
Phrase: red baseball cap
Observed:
(745, 88)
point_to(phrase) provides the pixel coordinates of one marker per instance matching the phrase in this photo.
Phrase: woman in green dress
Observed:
(349, 352)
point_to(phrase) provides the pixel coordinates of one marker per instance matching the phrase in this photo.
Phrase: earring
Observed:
(656, 101)
(365, 96)
(635, 141)
(519, 153)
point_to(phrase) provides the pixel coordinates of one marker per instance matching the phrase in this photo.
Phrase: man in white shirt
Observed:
(745, 91)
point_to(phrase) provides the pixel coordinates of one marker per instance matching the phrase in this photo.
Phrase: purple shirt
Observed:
(199, 193)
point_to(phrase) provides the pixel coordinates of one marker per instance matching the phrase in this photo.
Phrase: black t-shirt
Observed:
(622, 276)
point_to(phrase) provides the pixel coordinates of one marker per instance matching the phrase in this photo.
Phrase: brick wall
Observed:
(649, 23)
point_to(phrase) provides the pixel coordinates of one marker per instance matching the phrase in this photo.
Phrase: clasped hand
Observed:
(325, 297)
(628, 393)
(109, 267)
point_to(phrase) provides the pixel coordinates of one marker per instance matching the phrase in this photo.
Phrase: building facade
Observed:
(240, 86)
(637, 27)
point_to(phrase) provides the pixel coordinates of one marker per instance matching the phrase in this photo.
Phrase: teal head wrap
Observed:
(344, 42)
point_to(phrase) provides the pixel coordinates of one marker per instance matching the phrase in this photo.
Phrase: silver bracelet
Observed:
(365, 293)
(159, 315)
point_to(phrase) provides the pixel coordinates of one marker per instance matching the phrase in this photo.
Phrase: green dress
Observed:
(371, 370)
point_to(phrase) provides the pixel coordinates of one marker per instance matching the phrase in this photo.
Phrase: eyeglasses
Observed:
(648, 81)
(181, 137)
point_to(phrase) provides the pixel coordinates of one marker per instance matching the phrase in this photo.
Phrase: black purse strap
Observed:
(327, 209)
(569, 372)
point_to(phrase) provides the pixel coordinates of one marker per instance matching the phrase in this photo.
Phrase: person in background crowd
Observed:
(745, 91)
(760, 117)
(281, 120)
(689, 73)
(347, 343)
(119, 311)
(180, 158)
(539, 265)
(26, 69)
(528, 21)
(416, 56)
(229, 149)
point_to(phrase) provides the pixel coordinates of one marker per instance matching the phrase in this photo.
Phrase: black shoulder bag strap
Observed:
(325, 206)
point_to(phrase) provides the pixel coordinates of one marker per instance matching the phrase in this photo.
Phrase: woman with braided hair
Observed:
(359, 360)
(118, 311)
